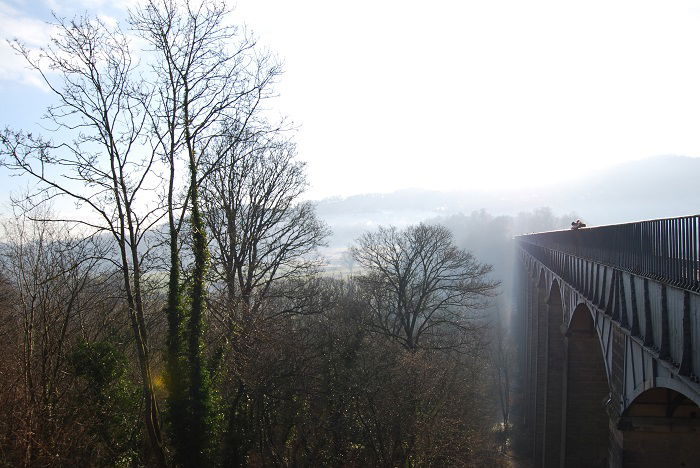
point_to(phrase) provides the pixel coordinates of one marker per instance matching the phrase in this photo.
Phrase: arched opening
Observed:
(554, 380)
(661, 428)
(587, 423)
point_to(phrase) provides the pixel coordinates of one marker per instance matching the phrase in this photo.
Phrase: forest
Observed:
(163, 301)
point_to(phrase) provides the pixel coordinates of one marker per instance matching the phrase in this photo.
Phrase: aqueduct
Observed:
(610, 320)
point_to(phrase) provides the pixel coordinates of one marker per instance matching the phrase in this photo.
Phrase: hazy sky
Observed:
(452, 94)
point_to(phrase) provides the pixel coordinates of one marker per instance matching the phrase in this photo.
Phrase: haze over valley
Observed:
(658, 187)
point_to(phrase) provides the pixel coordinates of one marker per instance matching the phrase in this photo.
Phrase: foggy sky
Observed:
(451, 95)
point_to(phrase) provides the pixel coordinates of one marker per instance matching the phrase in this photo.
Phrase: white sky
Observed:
(454, 94)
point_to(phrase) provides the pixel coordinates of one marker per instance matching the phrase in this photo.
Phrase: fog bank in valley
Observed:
(664, 186)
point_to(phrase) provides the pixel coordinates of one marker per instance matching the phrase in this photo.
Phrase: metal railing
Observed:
(667, 250)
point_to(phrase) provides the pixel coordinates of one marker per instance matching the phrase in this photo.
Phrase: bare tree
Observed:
(263, 254)
(420, 286)
(97, 161)
(263, 236)
(206, 73)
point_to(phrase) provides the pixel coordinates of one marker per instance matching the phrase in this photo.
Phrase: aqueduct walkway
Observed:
(611, 343)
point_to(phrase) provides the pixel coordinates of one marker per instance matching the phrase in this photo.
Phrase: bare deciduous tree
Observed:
(206, 73)
(263, 243)
(263, 236)
(421, 287)
(97, 160)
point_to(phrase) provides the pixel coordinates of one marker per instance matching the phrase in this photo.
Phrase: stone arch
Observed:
(586, 426)
(541, 278)
(662, 401)
(538, 270)
(660, 427)
(673, 384)
(556, 294)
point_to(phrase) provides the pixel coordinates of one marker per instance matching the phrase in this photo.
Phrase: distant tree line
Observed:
(179, 316)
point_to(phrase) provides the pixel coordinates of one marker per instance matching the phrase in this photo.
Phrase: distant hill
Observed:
(658, 187)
